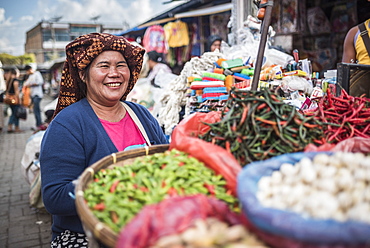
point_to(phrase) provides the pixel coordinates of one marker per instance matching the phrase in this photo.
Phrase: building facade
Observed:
(47, 40)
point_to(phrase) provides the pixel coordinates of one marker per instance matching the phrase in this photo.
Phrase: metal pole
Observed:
(261, 50)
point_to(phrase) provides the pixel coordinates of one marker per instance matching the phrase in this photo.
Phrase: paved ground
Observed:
(20, 225)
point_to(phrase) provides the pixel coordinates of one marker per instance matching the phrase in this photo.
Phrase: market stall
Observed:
(284, 165)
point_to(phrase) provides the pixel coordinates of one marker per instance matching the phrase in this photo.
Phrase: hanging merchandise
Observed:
(154, 39)
(176, 34)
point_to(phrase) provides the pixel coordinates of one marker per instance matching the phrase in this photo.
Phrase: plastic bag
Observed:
(355, 144)
(185, 138)
(289, 224)
(22, 112)
(29, 162)
(172, 216)
(35, 193)
(26, 96)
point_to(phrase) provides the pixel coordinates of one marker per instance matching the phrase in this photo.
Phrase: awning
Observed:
(134, 29)
(156, 22)
(206, 11)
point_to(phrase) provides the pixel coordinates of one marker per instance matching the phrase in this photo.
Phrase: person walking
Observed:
(35, 82)
(12, 88)
(92, 120)
(2, 93)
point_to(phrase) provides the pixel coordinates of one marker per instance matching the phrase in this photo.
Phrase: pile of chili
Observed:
(117, 194)
(343, 117)
(257, 125)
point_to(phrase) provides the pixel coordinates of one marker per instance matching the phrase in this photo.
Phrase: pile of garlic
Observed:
(327, 187)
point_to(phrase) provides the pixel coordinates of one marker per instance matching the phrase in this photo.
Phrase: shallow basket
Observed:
(96, 230)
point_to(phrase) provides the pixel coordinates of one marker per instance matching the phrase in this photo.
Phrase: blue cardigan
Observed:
(74, 140)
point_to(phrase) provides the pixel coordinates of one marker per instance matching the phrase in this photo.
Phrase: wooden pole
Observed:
(261, 50)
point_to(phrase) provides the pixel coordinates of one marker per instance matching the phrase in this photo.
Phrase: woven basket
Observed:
(93, 227)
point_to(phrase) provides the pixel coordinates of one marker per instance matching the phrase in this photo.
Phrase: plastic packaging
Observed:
(172, 216)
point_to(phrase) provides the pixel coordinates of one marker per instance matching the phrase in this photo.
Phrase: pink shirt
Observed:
(124, 134)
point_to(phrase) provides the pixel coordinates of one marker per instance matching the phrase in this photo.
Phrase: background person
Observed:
(213, 43)
(12, 87)
(156, 65)
(91, 120)
(354, 49)
(2, 93)
(35, 82)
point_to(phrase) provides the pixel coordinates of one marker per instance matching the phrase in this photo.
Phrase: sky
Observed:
(19, 16)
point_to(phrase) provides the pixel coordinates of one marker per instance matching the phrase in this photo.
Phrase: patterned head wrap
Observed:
(81, 52)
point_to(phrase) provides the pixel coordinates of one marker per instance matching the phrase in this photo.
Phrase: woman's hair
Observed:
(211, 39)
(12, 71)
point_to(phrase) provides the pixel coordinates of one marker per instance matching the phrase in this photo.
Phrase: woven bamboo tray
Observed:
(93, 227)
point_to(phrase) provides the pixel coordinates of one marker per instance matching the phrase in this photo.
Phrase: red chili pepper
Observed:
(352, 131)
(172, 191)
(244, 115)
(273, 97)
(310, 125)
(114, 217)
(365, 129)
(261, 106)
(144, 189)
(359, 120)
(99, 206)
(163, 184)
(357, 110)
(358, 133)
(227, 146)
(210, 188)
(181, 163)
(266, 121)
(114, 186)
(96, 179)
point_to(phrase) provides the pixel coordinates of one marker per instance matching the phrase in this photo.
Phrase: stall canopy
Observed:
(205, 11)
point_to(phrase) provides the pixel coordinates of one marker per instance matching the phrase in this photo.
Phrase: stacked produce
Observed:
(259, 125)
(344, 116)
(118, 194)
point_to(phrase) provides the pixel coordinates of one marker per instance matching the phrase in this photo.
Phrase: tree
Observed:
(8, 59)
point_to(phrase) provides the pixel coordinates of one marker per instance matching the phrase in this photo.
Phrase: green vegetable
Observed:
(124, 191)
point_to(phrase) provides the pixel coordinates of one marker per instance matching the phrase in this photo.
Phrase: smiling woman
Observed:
(106, 80)
(92, 120)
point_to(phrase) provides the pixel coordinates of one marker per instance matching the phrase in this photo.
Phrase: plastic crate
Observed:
(354, 78)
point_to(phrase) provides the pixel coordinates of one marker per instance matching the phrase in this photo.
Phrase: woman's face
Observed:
(217, 45)
(107, 78)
